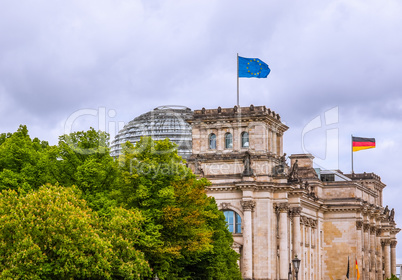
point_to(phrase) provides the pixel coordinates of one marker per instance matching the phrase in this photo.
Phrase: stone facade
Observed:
(323, 217)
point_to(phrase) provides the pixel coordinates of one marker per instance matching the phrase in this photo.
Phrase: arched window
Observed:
(244, 140)
(212, 141)
(233, 220)
(228, 140)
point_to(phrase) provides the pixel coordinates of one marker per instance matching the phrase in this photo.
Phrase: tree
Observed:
(51, 233)
(83, 159)
(23, 161)
(196, 242)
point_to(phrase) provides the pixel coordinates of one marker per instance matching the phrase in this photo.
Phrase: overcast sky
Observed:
(335, 70)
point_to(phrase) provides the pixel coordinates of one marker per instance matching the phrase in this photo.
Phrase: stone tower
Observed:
(276, 211)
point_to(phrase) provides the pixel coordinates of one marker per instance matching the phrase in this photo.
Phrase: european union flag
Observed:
(252, 68)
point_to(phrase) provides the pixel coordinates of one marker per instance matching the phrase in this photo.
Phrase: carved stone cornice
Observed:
(246, 186)
(248, 205)
(393, 243)
(359, 225)
(366, 227)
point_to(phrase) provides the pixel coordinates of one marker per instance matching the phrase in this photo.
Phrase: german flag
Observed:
(360, 143)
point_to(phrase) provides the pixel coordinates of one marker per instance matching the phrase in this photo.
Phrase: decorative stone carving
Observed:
(386, 214)
(282, 207)
(294, 173)
(248, 171)
(379, 230)
(280, 168)
(359, 225)
(305, 221)
(385, 242)
(197, 165)
(392, 215)
(225, 205)
(366, 227)
(386, 210)
(313, 223)
(296, 211)
(248, 205)
(393, 243)
(373, 230)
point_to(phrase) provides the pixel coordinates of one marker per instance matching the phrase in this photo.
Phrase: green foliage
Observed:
(196, 243)
(52, 234)
(23, 161)
(166, 221)
(82, 159)
(393, 277)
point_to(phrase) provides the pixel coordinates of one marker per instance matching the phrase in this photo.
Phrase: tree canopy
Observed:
(50, 233)
(196, 242)
(72, 211)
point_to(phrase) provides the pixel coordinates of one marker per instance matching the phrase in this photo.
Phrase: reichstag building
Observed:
(278, 209)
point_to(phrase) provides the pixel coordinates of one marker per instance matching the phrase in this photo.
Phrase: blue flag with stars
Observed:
(252, 68)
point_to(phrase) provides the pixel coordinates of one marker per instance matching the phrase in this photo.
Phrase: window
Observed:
(244, 140)
(212, 141)
(228, 141)
(233, 221)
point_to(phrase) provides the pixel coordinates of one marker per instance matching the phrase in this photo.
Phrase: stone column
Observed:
(359, 225)
(379, 254)
(393, 257)
(296, 238)
(269, 140)
(366, 272)
(280, 143)
(372, 252)
(283, 241)
(237, 138)
(248, 207)
(387, 254)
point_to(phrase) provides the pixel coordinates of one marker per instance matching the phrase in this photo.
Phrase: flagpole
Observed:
(351, 145)
(238, 80)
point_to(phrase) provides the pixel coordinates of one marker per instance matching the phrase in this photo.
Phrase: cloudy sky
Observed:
(335, 69)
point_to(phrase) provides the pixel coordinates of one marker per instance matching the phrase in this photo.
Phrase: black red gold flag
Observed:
(361, 143)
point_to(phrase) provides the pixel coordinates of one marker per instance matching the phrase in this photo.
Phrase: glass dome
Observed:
(160, 123)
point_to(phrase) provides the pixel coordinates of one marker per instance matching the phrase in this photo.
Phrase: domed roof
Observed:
(161, 123)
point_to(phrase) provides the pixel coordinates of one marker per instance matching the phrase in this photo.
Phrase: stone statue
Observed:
(197, 165)
(247, 165)
(312, 191)
(294, 173)
(280, 168)
(386, 211)
(392, 215)
(283, 159)
(307, 187)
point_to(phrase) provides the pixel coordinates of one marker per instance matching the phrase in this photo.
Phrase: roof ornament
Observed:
(294, 172)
